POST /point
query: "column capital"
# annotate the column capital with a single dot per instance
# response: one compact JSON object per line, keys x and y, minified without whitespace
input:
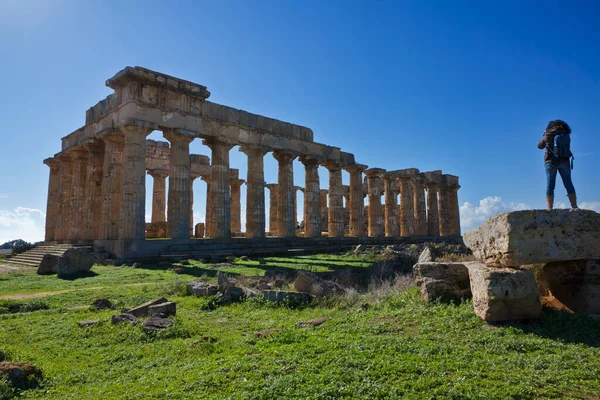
{"x":158,"y":173}
{"x":300,"y":188}
{"x":309,"y":161}
{"x":355,"y":168}
{"x":236,"y":182}
{"x":178,"y":135}
{"x":213,"y":142}
{"x":432,"y":185}
{"x":324,"y":191}
{"x":205,"y":178}
{"x":115,"y":136}
{"x":52,"y":162}
{"x":284,"y":156}
{"x":254,"y":149}
{"x":272,"y":186}
{"x":139,"y":127}
{"x":332,"y":166}
{"x":374,"y":172}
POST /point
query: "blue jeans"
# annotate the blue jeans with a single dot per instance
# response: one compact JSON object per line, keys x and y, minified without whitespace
{"x":564,"y":169}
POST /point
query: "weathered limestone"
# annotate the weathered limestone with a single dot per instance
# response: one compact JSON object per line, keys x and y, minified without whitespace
{"x":111,"y":185}
{"x":375,"y":212}
{"x":178,"y":211}
{"x":433,"y":222}
{"x":273,"y":201}
{"x":443,"y":206}
{"x":504,"y":294}
{"x":357,"y":221}
{"x":236,"y":207}
{"x":78,"y":185}
{"x":445,"y":281}
{"x":420,"y":209}
{"x":407,"y":222}
{"x":453,"y":206}
{"x":220,"y":202}
{"x":93,"y":197}
{"x":255,"y":191}
{"x":312,"y":197}
{"x":536,"y":236}
{"x":286,"y":226}
{"x":336,"y":207}
{"x":159,"y":195}
{"x":133,"y":188}
{"x":391,"y":206}
{"x":53,"y":204}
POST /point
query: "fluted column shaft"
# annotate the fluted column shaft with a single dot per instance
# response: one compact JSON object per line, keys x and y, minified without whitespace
{"x":111,"y":185}
{"x":220,"y":194}
{"x":236,"y":206}
{"x":312,"y":197}
{"x":93,"y":197}
{"x":356,"y":203}
{"x":78,"y":185}
{"x":443,"y":211}
{"x":133,"y":189}
{"x":178,"y":209}
{"x":335,"y":217}
{"x":419,"y":208}
{"x":407,"y":217}
{"x":255,"y":192}
{"x":66,"y":177}
{"x":375,"y":226}
{"x":391,"y":206}
{"x":273,"y":200}
{"x":159,"y":195}
{"x":433,"y":221}
{"x":53,"y":202}
{"x":285,"y":201}
{"x":454,"y":209}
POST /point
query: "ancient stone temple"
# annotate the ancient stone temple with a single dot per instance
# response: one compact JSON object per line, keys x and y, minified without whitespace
{"x":97,"y":185}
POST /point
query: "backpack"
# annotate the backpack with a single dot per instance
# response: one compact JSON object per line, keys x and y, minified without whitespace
{"x":561,"y":146}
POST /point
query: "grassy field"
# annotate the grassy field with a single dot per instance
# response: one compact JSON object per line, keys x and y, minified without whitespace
{"x":381,"y":344}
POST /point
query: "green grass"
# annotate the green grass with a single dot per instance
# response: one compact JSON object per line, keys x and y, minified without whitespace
{"x":379,"y":347}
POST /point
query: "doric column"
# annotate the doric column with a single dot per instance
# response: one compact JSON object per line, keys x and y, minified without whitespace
{"x":433,"y":221}
{"x":52,"y":205}
{"x":356,"y":201}
{"x":111,"y":185}
{"x":133,"y":191}
{"x":93,"y":198}
{"x":273,"y":196}
{"x":178,"y":209}
{"x":391,"y":206}
{"x":236,"y":206}
{"x":159,"y":195}
{"x":375,"y":214}
{"x":407,"y":217}
{"x":64,"y":194}
{"x":335,"y":217}
{"x":193,"y":177}
{"x":454,"y":210}
{"x":220,"y":200}
{"x":312,"y":197}
{"x":419,"y":206}
{"x":255,"y":191}
{"x":207,"y":213}
{"x":286,"y":226}
{"x":78,"y":185}
{"x":443,"y":207}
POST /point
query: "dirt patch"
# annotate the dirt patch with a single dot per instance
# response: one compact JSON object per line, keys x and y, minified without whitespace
{"x":8,"y":268}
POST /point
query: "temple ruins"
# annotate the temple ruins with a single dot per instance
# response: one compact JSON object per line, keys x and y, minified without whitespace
{"x":97,"y":186}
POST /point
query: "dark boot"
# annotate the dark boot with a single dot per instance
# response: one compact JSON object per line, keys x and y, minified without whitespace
{"x":573,"y":199}
{"x":550,"y":201}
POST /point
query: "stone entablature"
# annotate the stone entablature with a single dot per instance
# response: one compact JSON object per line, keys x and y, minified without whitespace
{"x":102,"y":166}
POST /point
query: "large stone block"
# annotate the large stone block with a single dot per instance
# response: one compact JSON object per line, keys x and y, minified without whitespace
{"x":504,"y":294}
{"x":74,"y":261}
{"x":446,"y":281}
{"x":536,"y":236}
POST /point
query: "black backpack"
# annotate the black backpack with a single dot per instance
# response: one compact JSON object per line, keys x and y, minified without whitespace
{"x":561,"y":147}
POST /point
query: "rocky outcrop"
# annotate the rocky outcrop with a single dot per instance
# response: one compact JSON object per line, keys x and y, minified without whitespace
{"x":536,"y":236}
{"x":445,"y":281}
{"x":504,"y":294}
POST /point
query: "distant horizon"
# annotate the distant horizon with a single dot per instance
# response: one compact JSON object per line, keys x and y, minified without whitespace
{"x":465,"y":87}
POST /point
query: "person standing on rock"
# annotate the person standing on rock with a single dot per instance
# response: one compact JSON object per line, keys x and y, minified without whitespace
{"x":557,"y":142}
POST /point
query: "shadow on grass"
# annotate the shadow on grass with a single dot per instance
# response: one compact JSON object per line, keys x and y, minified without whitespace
{"x":79,"y":275}
{"x":564,"y":327}
{"x":191,"y":270}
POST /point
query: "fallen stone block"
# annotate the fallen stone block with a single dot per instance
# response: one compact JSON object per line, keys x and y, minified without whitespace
{"x":504,"y":294}
{"x":19,"y":371}
{"x":74,"y":261}
{"x":201,"y":289}
{"x":48,"y":265}
{"x":310,"y":283}
{"x":426,"y":256}
{"x":142,"y":310}
{"x":445,"y":281}
{"x":125,"y":317}
{"x":536,"y":236}
{"x":277,"y":296}
{"x":101,"y":304}
{"x":157,"y":324}
{"x":232,"y":294}
{"x":576,"y":284}
{"x":169,"y":308}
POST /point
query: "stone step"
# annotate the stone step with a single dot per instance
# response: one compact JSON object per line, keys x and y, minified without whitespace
{"x":20,"y":264}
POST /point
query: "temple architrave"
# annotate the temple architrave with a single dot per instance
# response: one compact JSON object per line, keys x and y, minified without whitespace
{"x":97,"y":187}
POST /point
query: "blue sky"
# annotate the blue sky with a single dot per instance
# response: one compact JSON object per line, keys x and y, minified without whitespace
{"x":462,"y":86}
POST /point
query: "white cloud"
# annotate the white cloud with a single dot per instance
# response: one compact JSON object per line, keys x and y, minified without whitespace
{"x":22,"y":223}
{"x":472,"y":216}
{"x":590,"y":205}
